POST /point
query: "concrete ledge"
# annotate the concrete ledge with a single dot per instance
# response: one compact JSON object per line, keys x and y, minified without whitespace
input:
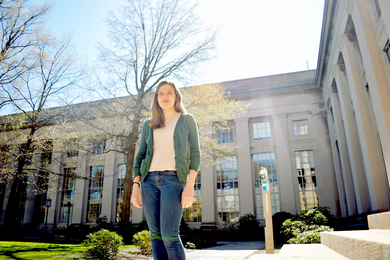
{"x":379,"y":221}
{"x":302,"y":252}
{"x":365,"y":244}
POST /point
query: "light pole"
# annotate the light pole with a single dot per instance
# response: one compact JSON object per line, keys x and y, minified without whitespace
{"x":69,"y":204}
{"x":47,"y":205}
{"x":269,"y":235}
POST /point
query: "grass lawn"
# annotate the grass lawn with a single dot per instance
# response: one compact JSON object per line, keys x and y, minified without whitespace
{"x":29,"y":250}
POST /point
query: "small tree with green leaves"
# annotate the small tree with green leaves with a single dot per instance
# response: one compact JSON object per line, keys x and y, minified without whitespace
{"x":103,"y":244}
{"x":143,"y":241}
{"x":305,"y":226}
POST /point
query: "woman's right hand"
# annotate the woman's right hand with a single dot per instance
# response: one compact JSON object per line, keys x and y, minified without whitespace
{"x":136,"y":197}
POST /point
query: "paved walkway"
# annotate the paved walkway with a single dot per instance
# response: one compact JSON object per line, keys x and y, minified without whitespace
{"x":228,"y":250}
{"x":256,"y":251}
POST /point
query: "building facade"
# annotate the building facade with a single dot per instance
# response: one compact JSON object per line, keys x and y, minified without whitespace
{"x":323,"y":137}
{"x":353,"y":72}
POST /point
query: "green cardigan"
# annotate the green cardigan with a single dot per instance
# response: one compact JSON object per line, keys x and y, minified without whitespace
{"x":186,"y":145}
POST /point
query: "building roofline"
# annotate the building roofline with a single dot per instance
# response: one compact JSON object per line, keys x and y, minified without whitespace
{"x":326,"y":37}
{"x":260,"y":77}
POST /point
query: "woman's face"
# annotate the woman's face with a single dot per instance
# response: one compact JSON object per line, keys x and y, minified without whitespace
{"x":166,"y":97}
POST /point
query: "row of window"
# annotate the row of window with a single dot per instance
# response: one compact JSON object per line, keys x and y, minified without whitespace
{"x":261,"y":131}
{"x":95,"y":194}
{"x":97,"y":147}
{"x":227,"y":186}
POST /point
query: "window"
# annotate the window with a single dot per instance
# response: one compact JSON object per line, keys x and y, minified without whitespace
{"x":43,"y":182}
{"x":95,"y":193}
{"x":194,"y":214}
{"x":68,"y":195}
{"x":40,"y":197}
{"x":5,"y":168}
{"x":98,"y":146}
{"x":225,"y":135}
{"x":331,"y":112}
{"x":387,"y":50}
{"x":5,"y":159}
{"x":227,"y":189}
{"x":71,"y":147}
{"x":300,"y":127}
{"x":119,"y":191}
{"x":266,"y":161}
{"x":124,"y":143}
{"x":46,"y":152}
{"x":3,"y":186}
{"x":307,"y":180}
{"x":378,"y":8}
{"x":261,"y":131}
{"x":73,"y":153}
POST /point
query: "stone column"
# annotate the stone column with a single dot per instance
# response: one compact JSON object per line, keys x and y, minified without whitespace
{"x":81,"y":189}
{"x":333,"y":135}
{"x":289,"y":200}
{"x":376,"y":76}
{"x":30,"y":196}
{"x":244,"y":165}
{"x":385,"y":7}
{"x":109,"y":193}
{"x":373,"y":163}
{"x":345,"y":180}
{"x":208,"y":193}
{"x":55,"y":185}
{"x":352,"y":139}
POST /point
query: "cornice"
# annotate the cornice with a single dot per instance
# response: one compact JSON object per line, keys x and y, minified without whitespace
{"x":280,"y":93}
{"x":328,"y":24}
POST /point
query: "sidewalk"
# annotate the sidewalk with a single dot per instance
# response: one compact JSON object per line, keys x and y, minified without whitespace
{"x":228,"y":250}
{"x":256,"y":251}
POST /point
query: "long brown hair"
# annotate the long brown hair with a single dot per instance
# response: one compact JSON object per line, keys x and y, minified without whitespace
{"x":156,"y":113}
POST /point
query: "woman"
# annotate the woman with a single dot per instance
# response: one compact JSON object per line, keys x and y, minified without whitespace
{"x":167,"y":162}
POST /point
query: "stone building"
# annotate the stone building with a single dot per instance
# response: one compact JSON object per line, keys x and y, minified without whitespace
{"x":322,"y":135}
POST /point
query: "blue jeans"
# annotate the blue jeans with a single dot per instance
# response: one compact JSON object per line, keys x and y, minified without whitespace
{"x":161,"y":199}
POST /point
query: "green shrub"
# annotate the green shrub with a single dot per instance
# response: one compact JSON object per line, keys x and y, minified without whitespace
{"x":277,"y":222}
{"x":143,"y":241}
{"x":185,"y":230}
{"x":291,"y":228}
{"x":310,"y":236}
{"x":190,"y":245}
{"x":249,"y":227}
{"x":103,"y":244}
{"x":314,"y":216}
{"x":305,"y":226}
{"x":200,"y":238}
{"x":143,"y":225}
{"x":103,"y":224}
{"x":248,"y":222}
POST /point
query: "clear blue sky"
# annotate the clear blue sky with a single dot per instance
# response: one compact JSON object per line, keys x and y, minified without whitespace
{"x":258,"y":37}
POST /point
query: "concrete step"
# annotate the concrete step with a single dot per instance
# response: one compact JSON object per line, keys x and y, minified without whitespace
{"x":301,"y":252}
{"x":379,"y":220}
{"x":365,"y":244}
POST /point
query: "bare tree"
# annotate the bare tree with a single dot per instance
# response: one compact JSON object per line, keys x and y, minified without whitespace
{"x":18,"y":22}
{"x":150,"y":41}
{"x":55,"y":73}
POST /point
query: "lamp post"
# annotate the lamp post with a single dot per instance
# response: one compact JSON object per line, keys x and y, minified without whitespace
{"x":47,"y":205}
{"x":69,"y":204}
{"x":269,"y":235}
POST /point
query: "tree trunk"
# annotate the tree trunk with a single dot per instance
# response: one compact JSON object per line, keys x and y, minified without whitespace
{"x":13,"y":214}
{"x":127,"y":185}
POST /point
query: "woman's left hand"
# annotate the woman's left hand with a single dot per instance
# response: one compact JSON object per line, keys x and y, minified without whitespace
{"x":187,"y":197}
